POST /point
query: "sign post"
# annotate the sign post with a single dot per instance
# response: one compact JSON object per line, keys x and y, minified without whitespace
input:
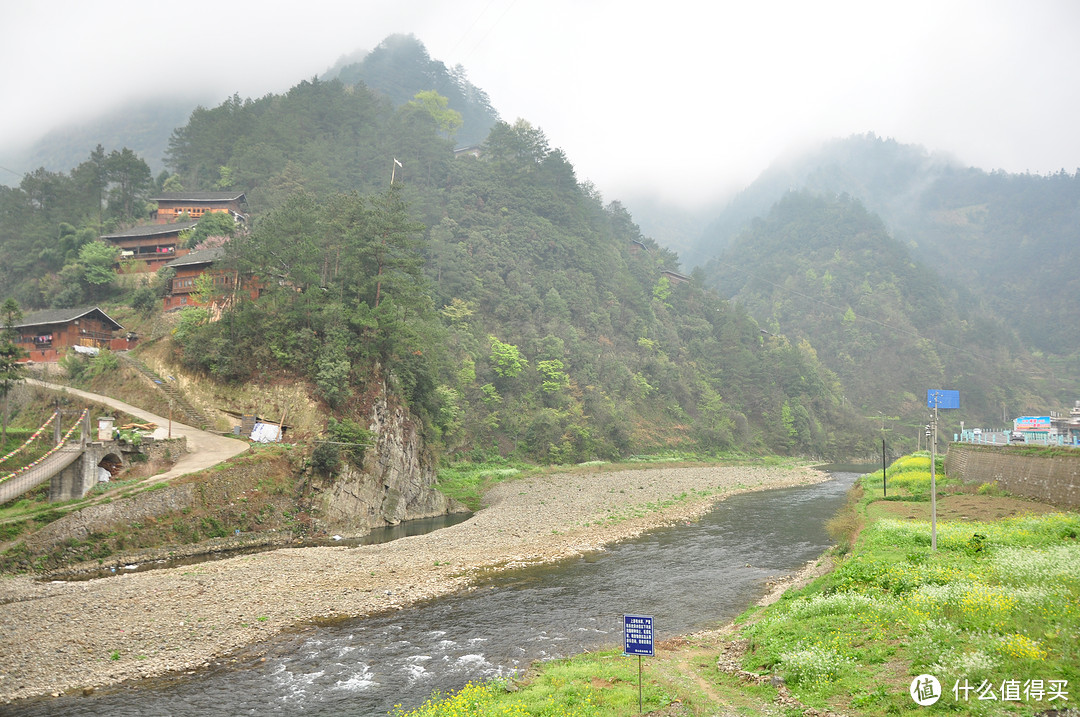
{"x":936,"y":398}
{"x":884,"y":488}
{"x":638,"y":640}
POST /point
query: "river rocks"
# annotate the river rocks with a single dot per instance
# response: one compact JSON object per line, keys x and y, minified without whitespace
{"x":67,"y":636}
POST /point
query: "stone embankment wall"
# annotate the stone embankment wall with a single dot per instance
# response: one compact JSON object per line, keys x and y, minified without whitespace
{"x":103,"y":517}
{"x":1052,"y":478}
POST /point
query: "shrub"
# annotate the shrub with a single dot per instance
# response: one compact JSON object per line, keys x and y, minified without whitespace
{"x":812,"y":664}
{"x":326,"y":458}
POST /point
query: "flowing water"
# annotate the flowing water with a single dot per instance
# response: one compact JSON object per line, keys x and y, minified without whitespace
{"x":687,"y":577}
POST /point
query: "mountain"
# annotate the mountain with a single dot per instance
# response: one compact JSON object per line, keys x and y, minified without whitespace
{"x":514,"y":311}
{"x":142,"y":126}
{"x":508,"y":307}
{"x":400,"y":67}
{"x":826,"y":271}
{"x":542,"y":323}
{"x":1009,"y":240}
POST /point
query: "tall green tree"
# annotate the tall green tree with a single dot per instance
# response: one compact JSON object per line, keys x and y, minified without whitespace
{"x":92,"y":177}
{"x":430,"y":101}
{"x":97,"y":260}
{"x":11,"y":371}
{"x":131,"y":182}
{"x":390,"y":255}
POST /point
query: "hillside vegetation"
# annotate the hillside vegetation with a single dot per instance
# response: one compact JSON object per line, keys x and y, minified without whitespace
{"x":1005,"y":240}
{"x":512,"y":308}
{"x":828,"y":272}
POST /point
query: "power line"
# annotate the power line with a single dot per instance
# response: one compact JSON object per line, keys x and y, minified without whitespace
{"x":471,"y":26}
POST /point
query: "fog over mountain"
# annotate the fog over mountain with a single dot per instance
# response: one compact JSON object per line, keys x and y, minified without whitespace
{"x":682,"y":102}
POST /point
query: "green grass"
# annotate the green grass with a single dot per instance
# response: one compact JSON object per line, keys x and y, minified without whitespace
{"x":597,"y":683}
{"x":998,"y":601}
{"x":466,"y":482}
{"x":907,"y":479}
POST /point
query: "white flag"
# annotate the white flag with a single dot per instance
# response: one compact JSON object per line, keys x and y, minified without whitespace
{"x":397,"y":163}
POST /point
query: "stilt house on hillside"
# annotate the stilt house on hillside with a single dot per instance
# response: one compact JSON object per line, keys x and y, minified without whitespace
{"x":46,"y":335}
{"x":176,"y":206}
{"x":150,"y":246}
{"x":188,"y":270}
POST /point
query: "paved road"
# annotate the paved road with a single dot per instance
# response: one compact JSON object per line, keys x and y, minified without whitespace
{"x":204,"y":449}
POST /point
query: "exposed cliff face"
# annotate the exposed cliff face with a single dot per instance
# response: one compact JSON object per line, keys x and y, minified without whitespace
{"x":395,"y":483}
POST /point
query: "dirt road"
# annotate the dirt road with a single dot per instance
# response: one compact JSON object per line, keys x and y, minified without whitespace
{"x":204,"y":449}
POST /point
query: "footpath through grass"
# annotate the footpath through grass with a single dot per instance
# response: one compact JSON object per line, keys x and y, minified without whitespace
{"x":993,"y":615}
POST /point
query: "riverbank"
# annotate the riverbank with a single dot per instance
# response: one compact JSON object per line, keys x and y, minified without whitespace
{"x":990,"y":615}
{"x":62,"y":637}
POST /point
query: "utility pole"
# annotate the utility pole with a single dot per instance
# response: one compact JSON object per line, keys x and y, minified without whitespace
{"x":931,"y":435}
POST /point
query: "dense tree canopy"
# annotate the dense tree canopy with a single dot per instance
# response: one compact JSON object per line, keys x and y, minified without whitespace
{"x":506,"y":302}
{"x":829,"y":272}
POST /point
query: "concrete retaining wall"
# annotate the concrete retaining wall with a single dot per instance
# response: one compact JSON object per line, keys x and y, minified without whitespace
{"x":1053,"y":479}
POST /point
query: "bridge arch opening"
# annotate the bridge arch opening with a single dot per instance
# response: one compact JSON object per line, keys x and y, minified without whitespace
{"x":109,"y":466}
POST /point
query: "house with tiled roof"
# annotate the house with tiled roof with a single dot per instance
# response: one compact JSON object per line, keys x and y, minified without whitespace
{"x":188,"y":269}
{"x":174,"y":206}
{"x":46,"y":335}
{"x":226,"y":284}
{"x":150,"y":246}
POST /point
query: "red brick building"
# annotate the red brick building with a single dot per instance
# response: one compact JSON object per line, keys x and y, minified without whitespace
{"x":173,"y":206}
{"x":45,"y":335}
{"x":150,"y":246}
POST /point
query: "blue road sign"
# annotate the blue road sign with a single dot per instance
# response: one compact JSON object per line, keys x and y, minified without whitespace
{"x":941,"y":398}
{"x":638,"y":635}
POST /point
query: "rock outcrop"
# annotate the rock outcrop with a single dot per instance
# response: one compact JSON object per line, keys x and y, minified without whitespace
{"x":395,"y":483}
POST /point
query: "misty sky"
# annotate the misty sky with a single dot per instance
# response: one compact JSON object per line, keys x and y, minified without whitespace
{"x":687,"y":100}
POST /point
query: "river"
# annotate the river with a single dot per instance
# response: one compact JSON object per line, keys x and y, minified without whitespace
{"x":687,"y":577}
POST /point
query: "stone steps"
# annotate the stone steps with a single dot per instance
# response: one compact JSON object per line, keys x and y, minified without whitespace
{"x":187,"y":413}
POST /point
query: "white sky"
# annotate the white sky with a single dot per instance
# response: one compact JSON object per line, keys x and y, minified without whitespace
{"x":686,"y":100}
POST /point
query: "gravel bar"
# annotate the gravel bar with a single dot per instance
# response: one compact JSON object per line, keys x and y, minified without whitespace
{"x":63,"y":637}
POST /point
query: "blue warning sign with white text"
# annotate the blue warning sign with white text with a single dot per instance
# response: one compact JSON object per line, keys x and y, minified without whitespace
{"x":638,"y":635}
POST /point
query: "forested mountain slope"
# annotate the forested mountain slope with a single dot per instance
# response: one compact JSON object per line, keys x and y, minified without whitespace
{"x":143,"y":126}
{"x":828,"y":271}
{"x":520,"y":314}
{"x":503,"y":300}
{"x":1011,"y":240}
{"x":400,"y":67}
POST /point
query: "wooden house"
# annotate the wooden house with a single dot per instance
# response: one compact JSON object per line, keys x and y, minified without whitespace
{"x":674,"y":277}
{"x":175,"y":206}
{"x":150,"y":246}
{"x":188,"y":270}
{"x":46,"y":335}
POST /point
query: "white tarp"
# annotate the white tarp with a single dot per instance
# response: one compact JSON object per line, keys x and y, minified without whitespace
{"x":88,"y":350}
{"x":265,"y":433}
{"x":103,"y":475}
